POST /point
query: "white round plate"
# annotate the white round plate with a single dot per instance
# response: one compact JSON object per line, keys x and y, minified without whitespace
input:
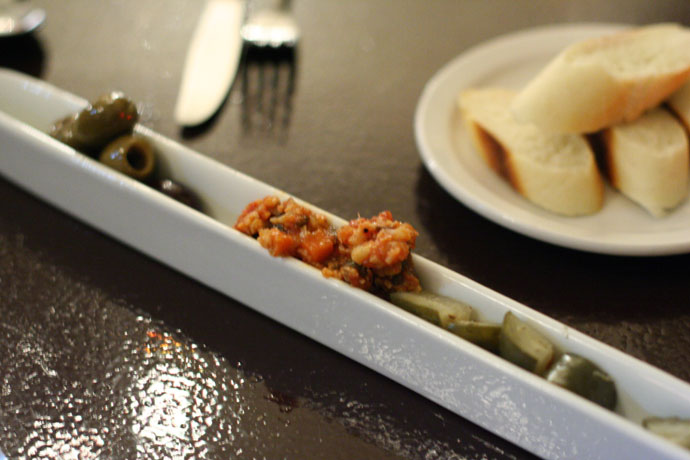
{"x":621,"y":227}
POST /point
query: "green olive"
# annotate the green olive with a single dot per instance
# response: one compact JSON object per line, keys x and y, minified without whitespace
{"x":131,"y":155}
{"x":109,"y":116}
{"x":62,"y":131}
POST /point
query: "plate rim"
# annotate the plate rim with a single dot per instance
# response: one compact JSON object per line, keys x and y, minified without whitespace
{"x":519,"y":219}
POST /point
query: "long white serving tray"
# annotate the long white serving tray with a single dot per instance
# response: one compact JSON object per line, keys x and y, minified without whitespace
{"x":506,"y":400}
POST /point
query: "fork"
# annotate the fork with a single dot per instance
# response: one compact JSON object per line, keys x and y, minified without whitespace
{"x":272,"y":27}
{"x":268,"y":77}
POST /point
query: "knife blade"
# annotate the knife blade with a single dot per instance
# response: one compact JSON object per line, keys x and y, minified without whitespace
{"x":211,"y":63}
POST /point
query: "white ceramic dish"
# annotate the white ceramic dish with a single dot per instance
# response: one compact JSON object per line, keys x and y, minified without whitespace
{"x":519,"y":406}
{"x":621,"y":227}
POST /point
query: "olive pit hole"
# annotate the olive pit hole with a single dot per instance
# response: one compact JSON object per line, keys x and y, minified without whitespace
{"x":136,"y":158}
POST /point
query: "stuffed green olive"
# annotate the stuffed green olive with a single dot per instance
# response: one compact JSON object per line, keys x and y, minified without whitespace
{"x":109,"y":116}
{"x":131,"y":155}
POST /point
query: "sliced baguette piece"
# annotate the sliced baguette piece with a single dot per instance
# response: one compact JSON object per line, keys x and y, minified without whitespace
{"x":679,"y":104}
{"x":607,"y":80}
{"x":647,"y":160}
{"x":555,"y":171}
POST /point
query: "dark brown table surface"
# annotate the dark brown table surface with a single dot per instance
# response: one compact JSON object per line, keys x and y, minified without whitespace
{"x":106,"y":353}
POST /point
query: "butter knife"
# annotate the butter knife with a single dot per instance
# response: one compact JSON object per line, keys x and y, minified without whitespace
{"x":211,"y":63}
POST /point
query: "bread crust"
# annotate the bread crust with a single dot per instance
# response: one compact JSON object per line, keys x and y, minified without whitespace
{"x":496,"y":156}
{"x":602,"y":146}
{"x":651,"y":171}
{"x":679,"y":105}
{"x":568,"y":183}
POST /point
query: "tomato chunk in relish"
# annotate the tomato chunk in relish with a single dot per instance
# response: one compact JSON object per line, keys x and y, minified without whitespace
{"x":371,"y":254}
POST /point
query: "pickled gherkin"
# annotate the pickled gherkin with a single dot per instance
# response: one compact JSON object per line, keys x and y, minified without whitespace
{"x":524,"y":346}
{"x":486,"y":335}
{"x":439,"y":310}
{"x":674,"y":429}
{"x":585,"y":378}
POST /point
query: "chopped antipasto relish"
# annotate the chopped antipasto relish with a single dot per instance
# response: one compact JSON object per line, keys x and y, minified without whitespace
{"x":371,"y":254}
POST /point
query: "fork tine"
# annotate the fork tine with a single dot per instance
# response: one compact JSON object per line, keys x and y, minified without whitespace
{"x":260,"y":92}
{"x":246,"y":91}
{"x":268,"y":84}
{"x":274,"y":92}
{"x":252,"y":86}
{"x":268,"y":76}
{"x":289,"y":88}
{"x":283,"y":86}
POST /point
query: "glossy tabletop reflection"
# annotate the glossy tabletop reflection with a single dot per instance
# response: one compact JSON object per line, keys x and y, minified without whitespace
{"x":105,"y":353}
